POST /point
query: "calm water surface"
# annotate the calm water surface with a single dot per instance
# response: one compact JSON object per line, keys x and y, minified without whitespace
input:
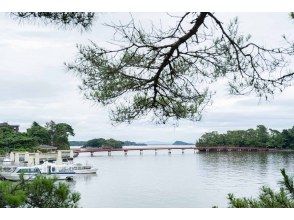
{"x":176,"y":180}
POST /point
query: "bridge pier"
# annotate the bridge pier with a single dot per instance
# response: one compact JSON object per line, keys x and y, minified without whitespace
{"x":126,"y":153}
{"x":182,"y":151}
{"x":109,"y":153}
{"x":141,"y":152}
{"x":169,"y":151}
{"x":155,"y":151}
{"x":92,"y":154}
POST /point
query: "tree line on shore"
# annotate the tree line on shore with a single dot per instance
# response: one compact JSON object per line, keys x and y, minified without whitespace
{"x":259,"y":137}
{"x":54,"y":134}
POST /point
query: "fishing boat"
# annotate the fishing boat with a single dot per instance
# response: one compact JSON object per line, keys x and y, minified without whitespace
{"x":83,"y":169}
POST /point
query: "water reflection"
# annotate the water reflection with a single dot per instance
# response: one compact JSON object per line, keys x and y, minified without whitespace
{"x":178,"y":180}
{"x":84,"y":177}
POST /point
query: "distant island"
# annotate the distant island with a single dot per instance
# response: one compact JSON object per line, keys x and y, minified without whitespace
{"x":101,"y":142}
{"x":181,"y":143}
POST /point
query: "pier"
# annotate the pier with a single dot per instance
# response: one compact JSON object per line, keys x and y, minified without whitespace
{"x":126,"y":150}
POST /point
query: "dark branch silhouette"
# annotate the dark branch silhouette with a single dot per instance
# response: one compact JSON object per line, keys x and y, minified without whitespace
{"x":172,"y":73}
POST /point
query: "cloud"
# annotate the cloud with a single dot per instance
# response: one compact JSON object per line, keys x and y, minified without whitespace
{"x":35,"y":86}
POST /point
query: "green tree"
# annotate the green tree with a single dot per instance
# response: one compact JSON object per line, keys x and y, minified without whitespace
{"x":259,"y":137}
{"x":268,"y":198}
{"x":276,"y":139}
{"x":101,"y":142}
{"x":39,"y":133}
{"x":11,"y":140}
{"x":83,"y":20}
{"x":11,"y":195}
{"x":59,"y":134}
{"x":262,"y":136}
{"x":47,"y":193}
{"x":171,"y":73}
{"x":114,"y":143}
{"x":40,"y":192}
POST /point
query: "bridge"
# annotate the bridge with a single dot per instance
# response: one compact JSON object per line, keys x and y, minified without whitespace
{"x":126,"y":150}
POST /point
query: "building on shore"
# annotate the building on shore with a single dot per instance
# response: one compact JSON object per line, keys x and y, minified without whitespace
{"x":29,"y":159}
{"x":14,"y":127}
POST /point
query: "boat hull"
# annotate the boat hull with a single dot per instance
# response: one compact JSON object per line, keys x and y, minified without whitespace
{"x":86,"y":171}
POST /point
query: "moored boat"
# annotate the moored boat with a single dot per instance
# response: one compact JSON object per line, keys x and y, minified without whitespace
{"x":59,"y":171}
{"x":83,"y":169}
{"x":13,"y":172}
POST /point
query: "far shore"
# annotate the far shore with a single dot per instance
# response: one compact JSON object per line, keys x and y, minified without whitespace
{"x":234,"y":148}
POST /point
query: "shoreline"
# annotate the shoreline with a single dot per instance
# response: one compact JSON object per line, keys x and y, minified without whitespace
{"x":241,"y":149}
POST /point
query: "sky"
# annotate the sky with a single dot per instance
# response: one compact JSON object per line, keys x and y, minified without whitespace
{"x":35,"y":85}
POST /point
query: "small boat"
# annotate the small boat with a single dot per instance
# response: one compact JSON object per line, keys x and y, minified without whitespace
{"x":83,"y":169}
{"x":59,"y":171}
{"x":13,"y":173}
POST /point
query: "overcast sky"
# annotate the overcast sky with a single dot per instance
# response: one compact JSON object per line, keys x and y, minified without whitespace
{"x":35,"y":86}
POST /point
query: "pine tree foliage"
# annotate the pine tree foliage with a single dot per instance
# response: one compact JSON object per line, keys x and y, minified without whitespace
{"x":172,"y":73}
{"x":268,"y":198}
{"x":40,"y":192}
{"x":82,"y":20}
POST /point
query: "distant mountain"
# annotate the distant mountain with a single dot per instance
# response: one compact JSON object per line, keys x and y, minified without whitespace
{"x":77,"y":143}
{"x":181,"y":143}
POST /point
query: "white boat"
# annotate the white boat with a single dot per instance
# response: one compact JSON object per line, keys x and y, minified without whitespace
{"x":83,"y":169}
{"x":13,"y":173}
{"x":59,"y":171}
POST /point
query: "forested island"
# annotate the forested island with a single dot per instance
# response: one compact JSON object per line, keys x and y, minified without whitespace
{"x":52,"y":134}
{"x":259,"y":137}
{"x":101,"y":142}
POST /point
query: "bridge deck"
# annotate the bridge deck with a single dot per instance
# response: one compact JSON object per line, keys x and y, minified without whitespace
{"x":92,"y":150}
